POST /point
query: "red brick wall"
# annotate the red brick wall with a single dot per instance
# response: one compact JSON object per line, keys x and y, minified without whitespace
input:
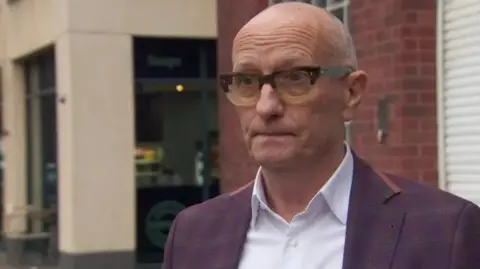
{"x":395,"y":41}
{"x":236,"y":168}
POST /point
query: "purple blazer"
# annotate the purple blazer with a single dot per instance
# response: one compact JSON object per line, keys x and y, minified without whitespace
{"x":393,"y":223}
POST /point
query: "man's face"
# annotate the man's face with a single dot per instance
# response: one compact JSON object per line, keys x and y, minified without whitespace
{"x":276,"y":132}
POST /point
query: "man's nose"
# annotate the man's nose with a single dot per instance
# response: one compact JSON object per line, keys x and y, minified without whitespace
{"x":269,"y":105}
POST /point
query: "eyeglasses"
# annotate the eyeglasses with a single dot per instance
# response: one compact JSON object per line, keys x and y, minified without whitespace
{"x":293,"y":86}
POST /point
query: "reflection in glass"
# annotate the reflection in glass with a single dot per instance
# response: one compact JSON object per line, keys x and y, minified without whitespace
{"x":169,"y":138}
{"x":170,"y":161}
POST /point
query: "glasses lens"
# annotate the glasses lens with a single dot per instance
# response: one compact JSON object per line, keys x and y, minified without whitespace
{"x":294,"y":82}
{"x":244,"y":90}
{"x":295,"y":86}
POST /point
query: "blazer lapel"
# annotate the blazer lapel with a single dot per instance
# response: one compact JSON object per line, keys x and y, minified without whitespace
{"x":225,"y":248}
{"x":373,"y":225}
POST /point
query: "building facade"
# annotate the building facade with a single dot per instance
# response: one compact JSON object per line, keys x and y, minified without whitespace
{"x":76,"y":83}
{"x":69,"y":89}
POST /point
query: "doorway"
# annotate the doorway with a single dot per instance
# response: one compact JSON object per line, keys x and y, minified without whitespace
{"x":172,"y":172}
{"x":176,"y":129}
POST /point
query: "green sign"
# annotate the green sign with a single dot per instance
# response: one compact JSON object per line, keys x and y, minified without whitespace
{"x":159,"y":220}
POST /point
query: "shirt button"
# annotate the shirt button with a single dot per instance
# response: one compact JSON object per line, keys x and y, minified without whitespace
{"x":292,"y":243}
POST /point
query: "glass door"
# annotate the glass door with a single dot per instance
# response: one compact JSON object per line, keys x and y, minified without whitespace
{"x":176,"y":138}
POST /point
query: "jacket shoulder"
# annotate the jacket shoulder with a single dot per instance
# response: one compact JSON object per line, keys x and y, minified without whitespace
{"x":419,"y":197}
{"x":213,"y":207}
{"x":210,"y":206}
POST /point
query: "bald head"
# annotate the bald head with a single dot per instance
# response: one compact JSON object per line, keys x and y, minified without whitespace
{"x":327,"y":35}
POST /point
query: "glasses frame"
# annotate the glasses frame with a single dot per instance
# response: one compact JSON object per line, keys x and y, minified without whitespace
{"x":315,"y":72}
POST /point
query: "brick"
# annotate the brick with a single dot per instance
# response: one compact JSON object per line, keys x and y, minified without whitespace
{"x":410,"y":44}
{"x":416,"y":83}
{"x":411,"y":17}
{"x":411,"y":97}
{"x":417,"y":5}
{"x":428,"y":70}
{"x":383,"y":36}
{"x":411,"y":124}
{"x":428,"y":124}
{"x":417,"y":163}
{"x":430,"y":177}
{"x":428,"y":150}
{"x":363,"y":127}
{"x":427,"y":43}
{"x":356,"y":5}
{"x":406,"y":73}
{"x":366,"y":113}
{"x":423,"y":31}
{"x":369,"y":139}
{"x":370,"y":101}
{"x":428,"y":97}
{"x":392,"y":20}
{"x":418,"y":137}
{"x":386,"y":164}
{"x":404,"y":151}
{"x":413,"y":111}
{"x":404,"y":31}
{"x":387,"y":47}
{"x":428,"y":57}
{"x":407,"y":57}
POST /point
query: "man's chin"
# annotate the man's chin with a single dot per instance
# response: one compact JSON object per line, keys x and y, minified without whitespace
{"x":272,"y":160}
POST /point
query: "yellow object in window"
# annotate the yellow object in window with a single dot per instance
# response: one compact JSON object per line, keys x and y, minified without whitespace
{"x":149,"y":155}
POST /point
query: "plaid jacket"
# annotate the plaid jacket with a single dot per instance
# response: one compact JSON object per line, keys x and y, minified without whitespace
{"x":393,"y":223}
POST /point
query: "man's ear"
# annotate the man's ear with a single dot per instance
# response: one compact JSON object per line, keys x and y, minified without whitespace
{"x":357,"y":83}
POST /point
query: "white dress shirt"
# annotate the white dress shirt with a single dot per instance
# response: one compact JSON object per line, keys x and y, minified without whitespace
{"x":314,"y":239}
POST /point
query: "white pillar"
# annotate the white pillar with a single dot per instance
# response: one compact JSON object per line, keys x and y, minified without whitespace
{"x":96,"y":150}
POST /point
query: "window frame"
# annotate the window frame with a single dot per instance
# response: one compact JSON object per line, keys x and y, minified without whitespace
{"x":39,"y":77}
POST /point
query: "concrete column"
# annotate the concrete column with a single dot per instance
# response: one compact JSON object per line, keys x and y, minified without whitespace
{"x":96,"y":151}
{"x":15,"y":180}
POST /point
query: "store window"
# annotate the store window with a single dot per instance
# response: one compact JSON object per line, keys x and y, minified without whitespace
{"x":175,"y":106}
{"x":41,"y":127}
{"x":169,"y":137}
{"x":176,"y":131}
{"x":339,"y":8}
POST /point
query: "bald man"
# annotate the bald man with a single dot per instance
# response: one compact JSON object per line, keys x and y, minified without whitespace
{"x":314,"y":204}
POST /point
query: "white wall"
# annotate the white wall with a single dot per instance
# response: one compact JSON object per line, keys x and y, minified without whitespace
{"x":31,"y":24}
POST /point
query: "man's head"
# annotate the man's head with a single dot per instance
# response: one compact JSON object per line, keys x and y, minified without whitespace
{"x":294,"y":83}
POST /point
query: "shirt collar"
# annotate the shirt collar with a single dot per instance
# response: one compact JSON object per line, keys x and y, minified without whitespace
{"x":336,"y":191}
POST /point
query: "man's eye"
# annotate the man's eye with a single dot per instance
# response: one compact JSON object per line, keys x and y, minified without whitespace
{"x":244,"y":80}
{"x":295,"y":76}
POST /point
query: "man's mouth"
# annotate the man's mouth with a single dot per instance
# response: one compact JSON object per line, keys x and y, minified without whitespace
{"x":277,"y":134}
